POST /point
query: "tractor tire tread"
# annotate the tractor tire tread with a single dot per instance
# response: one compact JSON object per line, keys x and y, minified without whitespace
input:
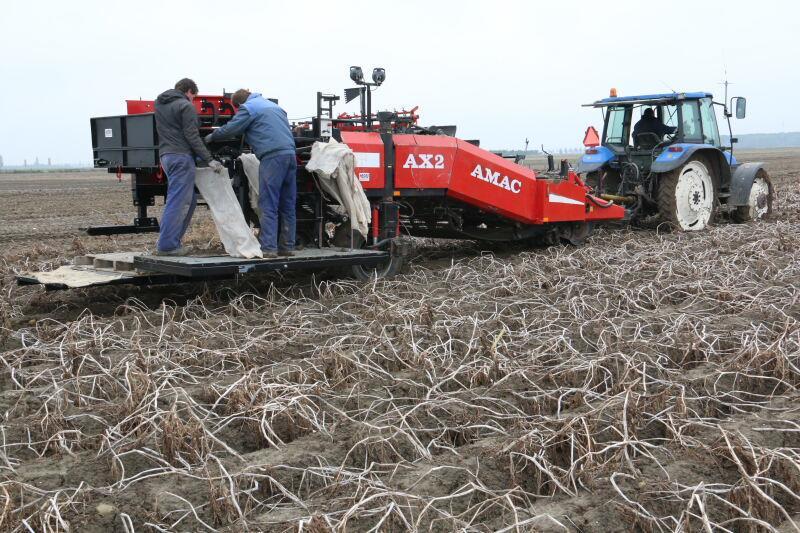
{"x":667,"y":201}
{"x":741,"y":214}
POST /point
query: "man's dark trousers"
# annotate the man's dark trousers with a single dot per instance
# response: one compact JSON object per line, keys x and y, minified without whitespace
{"x":277,"y":199}
{"x":181,"y":200}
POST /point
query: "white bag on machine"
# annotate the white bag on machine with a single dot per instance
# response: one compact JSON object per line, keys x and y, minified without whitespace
{"x":334,"y":164}
{"x":233,"y":229}
{"x":250,"y":164}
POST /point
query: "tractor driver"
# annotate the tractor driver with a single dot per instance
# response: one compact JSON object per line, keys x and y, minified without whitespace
{"x":649,"y":123}
{"x":267,"y":132}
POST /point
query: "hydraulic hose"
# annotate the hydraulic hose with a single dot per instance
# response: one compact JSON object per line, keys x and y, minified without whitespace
{"x":618,"y":199}
{"x":598,"y":202}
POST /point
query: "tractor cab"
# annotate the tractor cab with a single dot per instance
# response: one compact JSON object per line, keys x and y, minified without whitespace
{"x":640,"y":129}
{"x":662,"y":154}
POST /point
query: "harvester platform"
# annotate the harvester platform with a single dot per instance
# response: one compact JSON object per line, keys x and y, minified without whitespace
{"x":309,"y":258}
{"x":139,"y":268}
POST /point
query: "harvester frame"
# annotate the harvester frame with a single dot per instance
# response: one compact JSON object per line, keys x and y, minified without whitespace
{"x":420,"y":181}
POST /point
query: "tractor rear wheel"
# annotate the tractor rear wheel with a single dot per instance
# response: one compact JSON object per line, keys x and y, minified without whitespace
{"x":687,"y":197}
{"x":759,"y":203}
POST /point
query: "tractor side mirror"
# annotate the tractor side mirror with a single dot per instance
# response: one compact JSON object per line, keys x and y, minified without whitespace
{"x":740,"y":103}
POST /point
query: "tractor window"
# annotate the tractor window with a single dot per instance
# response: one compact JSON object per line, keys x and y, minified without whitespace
{"x":615,"y":126}
{"x":669,"y":115}
{"x":710,"y":130}
{"x":690,"y":122}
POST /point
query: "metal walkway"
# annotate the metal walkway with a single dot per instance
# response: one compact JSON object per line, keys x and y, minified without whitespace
{"x":309,"y":258}
{"x":144,"y":269}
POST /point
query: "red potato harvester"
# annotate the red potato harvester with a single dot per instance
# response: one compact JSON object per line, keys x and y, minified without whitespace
{"x":420,"y":181}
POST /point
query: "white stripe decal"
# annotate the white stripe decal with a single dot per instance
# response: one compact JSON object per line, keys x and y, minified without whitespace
{"x":368,"y":159}
{"x":558,"y":199}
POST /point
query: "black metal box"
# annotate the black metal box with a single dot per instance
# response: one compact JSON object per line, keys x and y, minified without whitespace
{"x":125,"y":141}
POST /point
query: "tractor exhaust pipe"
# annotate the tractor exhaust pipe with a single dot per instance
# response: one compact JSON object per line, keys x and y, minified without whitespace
{"x":564,"y":170}
{"x":551,"y":162}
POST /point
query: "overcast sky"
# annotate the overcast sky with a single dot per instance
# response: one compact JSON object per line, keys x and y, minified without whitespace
{"x":501,"y":70}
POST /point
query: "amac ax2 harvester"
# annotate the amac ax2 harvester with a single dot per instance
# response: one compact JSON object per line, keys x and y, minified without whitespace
{"x":420,"y":181}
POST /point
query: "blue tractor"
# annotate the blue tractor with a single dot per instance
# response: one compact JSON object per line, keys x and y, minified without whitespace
{"x":661,"y":155}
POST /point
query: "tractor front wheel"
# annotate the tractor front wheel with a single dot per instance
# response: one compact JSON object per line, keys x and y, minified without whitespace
{"x":759,"y":203}
{"x":687,"y":197}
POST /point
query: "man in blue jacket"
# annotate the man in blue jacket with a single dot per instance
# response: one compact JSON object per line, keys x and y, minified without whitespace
{"x":267,"y":132}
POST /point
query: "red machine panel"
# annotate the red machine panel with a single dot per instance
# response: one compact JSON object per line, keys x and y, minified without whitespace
{"x":368,"y":149}
{"x":496,"y":185}
{"x":476,"y":177}
{"x":564,"y":201}
{"x":424,"y":161}
{"x":139,"y":107}
{"x":206,"y":105}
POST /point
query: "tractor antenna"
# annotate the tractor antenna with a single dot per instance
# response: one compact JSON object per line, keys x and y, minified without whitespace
{"x":725,"y":83}
{"x":668,"y":86}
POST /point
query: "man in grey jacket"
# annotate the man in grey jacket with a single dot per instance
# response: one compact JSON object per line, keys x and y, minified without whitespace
{"x":179,"y":144}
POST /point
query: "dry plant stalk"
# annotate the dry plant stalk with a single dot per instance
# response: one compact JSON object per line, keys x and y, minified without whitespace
{"x":651,"y":378}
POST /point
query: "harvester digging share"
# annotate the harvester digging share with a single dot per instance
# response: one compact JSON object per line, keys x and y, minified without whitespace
{"x":646,"y":380}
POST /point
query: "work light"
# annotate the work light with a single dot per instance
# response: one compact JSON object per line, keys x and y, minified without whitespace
{"x":356,"y":74}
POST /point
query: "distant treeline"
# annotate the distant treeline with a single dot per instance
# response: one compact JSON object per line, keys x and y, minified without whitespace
{"x":534,"y":153}
{"x":766,"y":140}
{"x":518,"y":152}
{"x":42,"y":170}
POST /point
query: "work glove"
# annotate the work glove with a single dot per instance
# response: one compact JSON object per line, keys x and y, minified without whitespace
{"x":216,"y":166}
{"x":208,"y":138}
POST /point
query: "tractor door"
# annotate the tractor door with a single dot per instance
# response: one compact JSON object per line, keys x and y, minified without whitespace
{"x":709,"y":121}
{"x":690,"y":131}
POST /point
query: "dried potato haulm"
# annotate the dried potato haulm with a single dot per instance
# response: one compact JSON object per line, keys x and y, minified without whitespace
{"x":647,"y":380}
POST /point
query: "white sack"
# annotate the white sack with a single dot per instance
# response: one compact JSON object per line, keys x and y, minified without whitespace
{"x":233,"y":230}
{"x":250,"y":164}
{"x":334,"y":164}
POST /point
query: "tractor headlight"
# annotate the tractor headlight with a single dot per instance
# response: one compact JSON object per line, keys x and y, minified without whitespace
{"x":378,"y":75}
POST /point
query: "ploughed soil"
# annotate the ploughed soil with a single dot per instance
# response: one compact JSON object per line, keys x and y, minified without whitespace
{"x":644,"y":381}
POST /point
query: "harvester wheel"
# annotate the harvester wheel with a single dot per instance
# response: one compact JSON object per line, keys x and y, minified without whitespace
{"x":576,"y":233}
{"x":687,"y":197}
{"x":759,"y":203}
{"x":385,"y":269}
